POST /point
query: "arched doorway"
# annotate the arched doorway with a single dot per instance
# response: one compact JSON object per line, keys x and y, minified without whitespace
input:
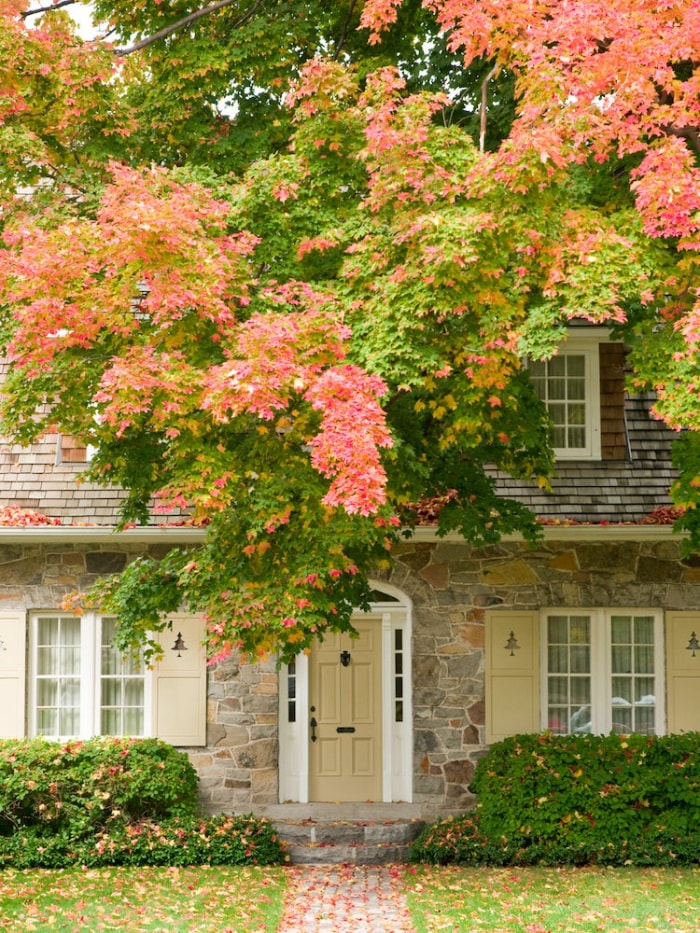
{"x":345,"y":720}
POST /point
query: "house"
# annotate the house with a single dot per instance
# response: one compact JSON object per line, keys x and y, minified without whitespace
{"x":594,"y":629}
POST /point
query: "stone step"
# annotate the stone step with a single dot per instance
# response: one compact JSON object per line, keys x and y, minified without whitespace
{"x":359,"y":842}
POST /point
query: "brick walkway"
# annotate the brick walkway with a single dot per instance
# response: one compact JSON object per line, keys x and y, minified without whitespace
{"x":345,"y":899}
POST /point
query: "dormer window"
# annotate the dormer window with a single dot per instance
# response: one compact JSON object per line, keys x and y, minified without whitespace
{"x":569,"y":386}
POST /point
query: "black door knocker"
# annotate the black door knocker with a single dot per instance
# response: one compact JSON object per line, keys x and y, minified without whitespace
{"x":345,"y":658}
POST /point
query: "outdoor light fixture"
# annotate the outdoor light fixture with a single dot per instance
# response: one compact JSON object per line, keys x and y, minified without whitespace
{"x":345,"y":658}
{"x":179,"y":645}
{"x":693,"y":644}
{"x":512,"y":644}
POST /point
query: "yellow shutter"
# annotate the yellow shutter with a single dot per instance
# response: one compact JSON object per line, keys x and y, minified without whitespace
{"x":180,"y":685}
{"x":682,"y":672}
{"x":13,"y":628}
{"x":512,"y":680}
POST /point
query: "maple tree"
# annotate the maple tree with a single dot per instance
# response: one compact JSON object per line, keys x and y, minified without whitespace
{"x":297,"y":328}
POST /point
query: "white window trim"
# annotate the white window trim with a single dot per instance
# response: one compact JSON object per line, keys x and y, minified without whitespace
{"x":586,"y":342}
{"x":601,"y":673}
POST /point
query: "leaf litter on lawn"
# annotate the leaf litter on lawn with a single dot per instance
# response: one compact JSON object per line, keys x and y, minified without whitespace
{"x":554,"y":900}
{"x":197,"y":899}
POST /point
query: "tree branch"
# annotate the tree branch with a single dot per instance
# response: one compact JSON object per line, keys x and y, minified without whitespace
{"x":344,"y":31}
{"x":689,"y":133}
{"x":47,"y":9}
{"x":484,"y":89}
{"x":186,"y":21}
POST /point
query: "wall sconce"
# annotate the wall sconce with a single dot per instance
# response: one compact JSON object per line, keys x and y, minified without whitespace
{"x":345,"y":658}
{"x":179,"y":645}
{"x":693,"y":644}
{"x":512,"y":644}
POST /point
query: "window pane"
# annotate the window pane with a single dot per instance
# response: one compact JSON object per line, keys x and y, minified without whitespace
{"x":580,"y":659}
{"x":577,"y":415}
{"x":557,"y":365}
{"x":561,"y":384}
{"x":576,"y":438}
{"x":644,"y":659}
{"x":622,"y":691}
{"x":558,"y":690}
{"x":644,"y":691}
{"x":621,"y":659}
{"x":621,"y":630}
{"x":70,"y":631}
{"x":110,"y":722}
{"x":133,"y":691}
{"x":110,"y":661}
{"x":133,"y":722}
{"x":645,"y":720}
{"x":47,"y":722}
{"x":581,"y":691}
{"x":556,"y":389}
{"x":122,"y":688}
{"x":46,"y":692}
{"x":47,"y":661}
{"x":111,"y":692}
{"x":69,"y":721}
{"x":644,"y":630}
{"x":580,"y":630}
{"x":581,"y":720}
{"x":69,"y":660}
{"x":577,"y":390}
{"x":632,"y":653}
{"x":558,"y":630}
{"x":47,"y":631}
{"x":568,"y":674}
{"x":622,"y":720}
{"x":576,"y":364}
{"x":558,"y":659}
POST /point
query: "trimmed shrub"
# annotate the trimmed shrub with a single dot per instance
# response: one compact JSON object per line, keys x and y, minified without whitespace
{"x":82,"y":786}
{"x":115,"y":801}
{"x":222,"y":840}
{"x":579,"y":799}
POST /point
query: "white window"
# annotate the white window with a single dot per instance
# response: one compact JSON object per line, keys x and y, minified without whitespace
{"x":569,"y":386}
{"x":603,"y":671}
{"x":81,"y":686}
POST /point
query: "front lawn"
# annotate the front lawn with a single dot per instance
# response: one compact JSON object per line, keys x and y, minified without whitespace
{"x":552,"y":900}
{"x":200,"y":899}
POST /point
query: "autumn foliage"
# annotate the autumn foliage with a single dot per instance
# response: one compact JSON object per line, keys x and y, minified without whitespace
{"x":296,"y":328}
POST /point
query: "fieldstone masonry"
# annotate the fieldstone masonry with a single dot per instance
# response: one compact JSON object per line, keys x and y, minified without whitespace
{"x":451,"y":585}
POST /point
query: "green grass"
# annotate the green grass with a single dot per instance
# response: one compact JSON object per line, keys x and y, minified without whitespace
{"x":200,"y":899}
{"x":551,"y":900}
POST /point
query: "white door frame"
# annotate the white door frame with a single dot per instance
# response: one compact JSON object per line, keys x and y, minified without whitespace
{"x":394,"y":615}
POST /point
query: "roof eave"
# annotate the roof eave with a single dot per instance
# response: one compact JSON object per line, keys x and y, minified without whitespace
{"x":177,"y":534}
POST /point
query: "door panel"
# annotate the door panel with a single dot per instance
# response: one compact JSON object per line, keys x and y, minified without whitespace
{"x":346,"y":764}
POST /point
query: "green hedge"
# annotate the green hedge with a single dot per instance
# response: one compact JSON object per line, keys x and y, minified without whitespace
{"x":580,"y":799}
{"x":113,"y":801}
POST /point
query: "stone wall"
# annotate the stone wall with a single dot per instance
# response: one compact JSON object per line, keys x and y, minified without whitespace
{"x":451,"y":586}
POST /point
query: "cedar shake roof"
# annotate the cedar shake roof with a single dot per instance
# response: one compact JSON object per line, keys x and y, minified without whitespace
{"x":45,"y":477}
{"x":619,"y":490}
{"x":632,"y":480}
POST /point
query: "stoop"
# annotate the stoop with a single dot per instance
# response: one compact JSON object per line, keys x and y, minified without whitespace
{"x":346,"y":833}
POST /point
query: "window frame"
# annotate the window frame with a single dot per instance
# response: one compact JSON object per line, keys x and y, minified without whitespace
{"x":584,"y":342}
{"x":89,"y":675}
{"x":601,"y":673}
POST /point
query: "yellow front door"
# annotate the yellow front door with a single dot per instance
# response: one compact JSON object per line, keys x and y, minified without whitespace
{"x":345,"y":716}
